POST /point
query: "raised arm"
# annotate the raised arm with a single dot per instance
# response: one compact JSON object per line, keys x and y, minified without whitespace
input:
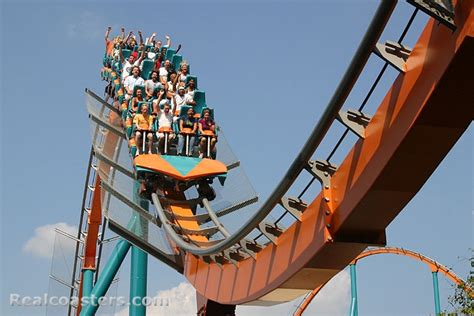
{"x":160,"y":97}
{"x":142,"y":55}
{"x":128,"y":37}
{"x":148,"y":91}
{"x":122,"y":58}
{"x":122,"y":32}
{"x":174,"y":104}
{"x":168,"y":40}
{"x":107,"y":33}
{"x":175,"y":81}
{"x":151,"y":39}
{"x":141,"y":37}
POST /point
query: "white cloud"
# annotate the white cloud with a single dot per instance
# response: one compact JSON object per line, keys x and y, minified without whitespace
{"x":42,"y":243}
{"x":179,"y":301}
{"x":334,"y":299}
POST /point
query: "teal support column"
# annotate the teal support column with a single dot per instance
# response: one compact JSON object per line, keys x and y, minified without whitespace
{"x":353,"y":311}
{"x":138,"y":282}
{"x":87,"y":282}
{"x":106,"y":277}
{"x":436,"y":293}
{"x":139,"y":264}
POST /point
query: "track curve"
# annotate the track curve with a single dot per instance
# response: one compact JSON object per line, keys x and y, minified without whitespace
{"x":333,"y":229}
{"x":432,"y":264}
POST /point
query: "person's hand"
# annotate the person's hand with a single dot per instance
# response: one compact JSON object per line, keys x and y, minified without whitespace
{"x":167,"y":37}
{"x":109,"y":28}
{"x":139,"y":32}
{"x":161,"y":92}
{"x":154,"y":34}
{"x":130,"y":34}
{"x":122,"y":29}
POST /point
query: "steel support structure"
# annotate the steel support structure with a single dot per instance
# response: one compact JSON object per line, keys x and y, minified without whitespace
{"x":436,"y":293}
{"x":106,"y":278}
{"x":139,"y":264}
{"x":354,"y":307}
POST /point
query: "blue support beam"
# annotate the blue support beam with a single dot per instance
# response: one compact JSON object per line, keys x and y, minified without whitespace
{"x":436,"y":293}
{"x":87,"y":282}
{"x":139,"y":264}
{"x":106,"y":278}
{"x":354,"y":307}
{"x":138,"y":282}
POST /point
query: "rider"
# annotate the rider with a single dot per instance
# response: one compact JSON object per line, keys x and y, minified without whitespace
{"x":207,"y":124}
{"x":143,"y":123}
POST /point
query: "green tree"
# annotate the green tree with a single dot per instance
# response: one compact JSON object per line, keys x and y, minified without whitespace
{"x":462,"y":299}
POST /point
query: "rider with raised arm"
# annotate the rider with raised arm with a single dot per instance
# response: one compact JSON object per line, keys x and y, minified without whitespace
{"x":132,"y":61}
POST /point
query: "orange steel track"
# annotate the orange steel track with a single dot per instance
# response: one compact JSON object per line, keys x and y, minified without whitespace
{"x":433,"y":265}
{"x":422,"y":116}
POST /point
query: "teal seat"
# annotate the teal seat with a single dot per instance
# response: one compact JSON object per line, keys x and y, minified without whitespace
{"x":189,"y":77}
{"x":200,"y":98}
{"x":169,"y":53}
{"x":147,"y":68}
{"x":126,"y":53}
{"x":176,"y":61}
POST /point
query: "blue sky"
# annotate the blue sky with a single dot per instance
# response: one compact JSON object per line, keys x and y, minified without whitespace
{"x":262,"y":64}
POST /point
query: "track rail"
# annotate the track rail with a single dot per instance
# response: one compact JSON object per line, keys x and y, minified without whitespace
{"x":432,"y":264}
{"x":356,"y":66}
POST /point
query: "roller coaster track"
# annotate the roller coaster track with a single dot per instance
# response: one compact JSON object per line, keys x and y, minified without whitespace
{"x":432,"y":264}
{"x":409,"y":132}
{"x":398,"y":148}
